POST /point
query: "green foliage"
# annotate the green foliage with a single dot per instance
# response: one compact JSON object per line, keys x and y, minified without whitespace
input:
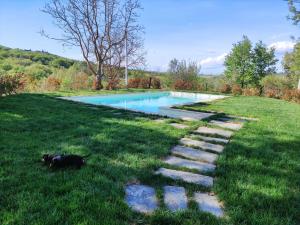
{"x":264,"y":62}
{"x":275,"y":82}
{"x":183,"y":70}
{"x":294,"y":7}
{"x":291,"y":65}
{"x":246,"y":66}
{"x":183,"y":75}
{"x":239,"y":66}
{"x":34,"y":63}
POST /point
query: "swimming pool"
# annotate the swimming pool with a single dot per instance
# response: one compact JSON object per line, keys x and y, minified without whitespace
{"x":148,"y":102}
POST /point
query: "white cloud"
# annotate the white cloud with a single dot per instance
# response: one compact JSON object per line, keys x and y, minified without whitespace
{"x":282,"y":46}
{"x":211,"y":61}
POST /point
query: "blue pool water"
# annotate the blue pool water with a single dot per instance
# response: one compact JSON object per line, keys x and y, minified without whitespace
{"x":149,"y":102}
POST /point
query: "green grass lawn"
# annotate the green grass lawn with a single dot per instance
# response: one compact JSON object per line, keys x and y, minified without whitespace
{"x":257,"y":175}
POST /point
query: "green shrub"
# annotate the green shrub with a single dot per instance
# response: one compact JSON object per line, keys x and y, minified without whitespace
{"x":277,"y":83}
{"x":6,"y":67}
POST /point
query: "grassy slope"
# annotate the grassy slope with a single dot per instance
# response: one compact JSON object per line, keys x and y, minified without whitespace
{"x":258,"y":173}
{"x":259,"y":176}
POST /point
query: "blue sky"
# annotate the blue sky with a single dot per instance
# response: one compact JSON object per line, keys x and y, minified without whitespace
{"x":198,"y":30}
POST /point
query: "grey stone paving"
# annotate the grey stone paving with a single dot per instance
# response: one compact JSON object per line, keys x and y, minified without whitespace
{"x":141,"y":198}
{"x":212,"y":139}
{"x":200,"y":166}
{"x":231,"y":119}
{"x":227,"y":125}
{"x":186,"y":176}
{"x":194,"y":154}
{"x":203,"y":145}
{"x":213,"y":131}
{"x":175,"y":198}
{"x":179,"y":126}
{"x":183,"y":114}
{"x":208,"y":203}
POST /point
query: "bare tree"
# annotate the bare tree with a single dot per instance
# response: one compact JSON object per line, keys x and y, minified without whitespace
{"x":99,"y":28}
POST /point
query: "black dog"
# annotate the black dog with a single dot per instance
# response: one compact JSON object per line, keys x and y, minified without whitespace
{"x":47,"y":158}
{"x":62,"y":161}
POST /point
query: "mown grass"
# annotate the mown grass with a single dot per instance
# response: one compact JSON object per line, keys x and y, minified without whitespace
{"x":257,"y":176}
{"x":259,"y":173}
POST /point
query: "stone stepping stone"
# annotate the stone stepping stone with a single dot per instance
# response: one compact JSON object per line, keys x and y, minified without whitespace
{"x":231,"y":119}
{"x":204,"y":138}
{"x":179,"y":126}
{"x":141,"y":198}
{"x":188,"y":177}
{"x":227,"y":125}
{"x":209,"y":203}
{"x":203,"y":145}
{"x":213,"y":131}
{"x":200,"y":166}
{"x":175,"y":198}
{"x":194,"y":154}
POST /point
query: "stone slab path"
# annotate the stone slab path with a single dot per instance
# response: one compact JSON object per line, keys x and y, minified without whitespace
{"x":198,"y":158}
{"x":179,"y":126}
{"x":209,"y":203}
{"x":214,"y":131}
{"x":189,"y":164}
{"x":194,"y":154}
{"x":184,"y":114}
{"x":226,"y":125}
{"x":212,"y":139}
{"x":175,"y":198}
{"x":188,"y":177}
{"x":141,"y":198}
{"x":201,"y":144}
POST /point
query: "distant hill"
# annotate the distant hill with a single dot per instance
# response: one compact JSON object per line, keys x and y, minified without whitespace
{"x":39,"y":64}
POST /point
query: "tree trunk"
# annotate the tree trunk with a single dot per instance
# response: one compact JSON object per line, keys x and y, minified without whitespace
{"x":98,"y":80}
{"x":299,"y":85}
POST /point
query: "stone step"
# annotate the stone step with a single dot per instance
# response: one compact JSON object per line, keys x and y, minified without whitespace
{"x":212,"y":139}
{"x":188,"y":177}
{"x":213,"y":131}
{"x":194,"y":154}
{"x":183,"y":114}
{"x":227,"y":125}
{"x":231,"y":119}
{"x":201,"y":144}
{"x":200,"y":166}
{"x":141,"y":198}
{"x":179,"y":126}
{"x":209,"y":203}
{"x":175,"y":198}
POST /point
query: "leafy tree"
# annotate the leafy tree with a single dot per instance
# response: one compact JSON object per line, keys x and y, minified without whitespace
{"x":264,"y":62}
{"x":184,"y":70}
{"x":294,"y":7}
{"x":291,"y":64}
{"x":239,"y":66}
